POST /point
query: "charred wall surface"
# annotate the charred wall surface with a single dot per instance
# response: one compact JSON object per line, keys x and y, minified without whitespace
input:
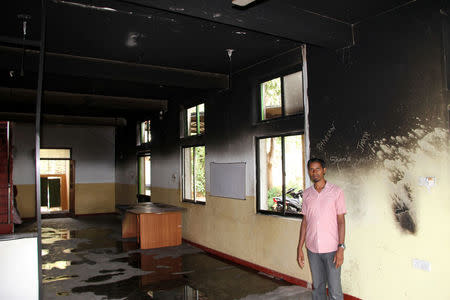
{"x":380,"y":102}
{"x":378,"y":116}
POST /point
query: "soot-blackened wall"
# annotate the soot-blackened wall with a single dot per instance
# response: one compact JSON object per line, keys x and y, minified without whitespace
{"x":378,"y":116}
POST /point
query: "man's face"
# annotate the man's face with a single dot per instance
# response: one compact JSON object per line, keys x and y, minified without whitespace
{"x":316,"y":172}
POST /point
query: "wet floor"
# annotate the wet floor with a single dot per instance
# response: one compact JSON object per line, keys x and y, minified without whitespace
{"x":86,"y":258}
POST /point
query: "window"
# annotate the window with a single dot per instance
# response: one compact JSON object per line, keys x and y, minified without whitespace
{"x":144,"y":169}
{"x":55,"y":153}
{"x":194,"y":120}
{"x":146,"y":136}
{"x":194,"y":188}
{"x":281,"y":174}
{"x":282,"y":96}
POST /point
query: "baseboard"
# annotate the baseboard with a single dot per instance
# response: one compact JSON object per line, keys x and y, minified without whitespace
{"x":265,"y":270}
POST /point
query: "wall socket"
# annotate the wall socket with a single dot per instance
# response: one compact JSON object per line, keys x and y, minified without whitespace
{"x":421,"y":265}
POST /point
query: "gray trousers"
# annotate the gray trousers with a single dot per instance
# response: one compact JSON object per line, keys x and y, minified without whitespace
{"x":323,"y":270}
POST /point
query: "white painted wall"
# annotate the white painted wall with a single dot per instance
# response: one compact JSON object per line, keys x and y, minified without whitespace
{"x":126,"y":170}
{"x":19,"y":276}
{"x":93,"y":149}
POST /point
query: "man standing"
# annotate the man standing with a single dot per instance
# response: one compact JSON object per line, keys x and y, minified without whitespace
{"x":323,"y":229}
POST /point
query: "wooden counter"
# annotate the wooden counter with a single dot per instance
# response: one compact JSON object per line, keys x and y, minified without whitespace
{"x":154,"y":225}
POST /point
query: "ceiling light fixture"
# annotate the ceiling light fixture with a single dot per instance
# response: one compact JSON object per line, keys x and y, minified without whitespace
{"x":230,"y":53}
{"x":24,"y":18}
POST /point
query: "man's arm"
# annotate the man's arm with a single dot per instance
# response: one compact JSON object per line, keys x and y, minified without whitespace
{"x":300,"y":255}
{"x":339,"y":257}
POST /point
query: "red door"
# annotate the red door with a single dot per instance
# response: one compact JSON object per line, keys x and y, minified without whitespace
{"x":6,"y":204}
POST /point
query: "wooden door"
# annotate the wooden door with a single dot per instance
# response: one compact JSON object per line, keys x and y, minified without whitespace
{"x":54,"y":192}
{"x":44,"y":191}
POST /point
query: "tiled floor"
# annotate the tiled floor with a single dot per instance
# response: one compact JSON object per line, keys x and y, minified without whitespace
{"x":86,"y":258}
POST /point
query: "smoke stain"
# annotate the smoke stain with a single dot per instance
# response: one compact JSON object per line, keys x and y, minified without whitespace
{"x":103,"y":277}
{"x":396,"y":175}
{"x":403,"y":214}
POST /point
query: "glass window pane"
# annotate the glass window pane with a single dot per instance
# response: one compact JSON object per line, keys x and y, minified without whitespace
{"x":200,"y":173}
{"x":146,"y":136}
{"x":271,"y":99}
{"x":270,"y":174}
{"x":49,"y":167}
{"x":294,"y":160}
{"x":55,"y":153}
{"x":148,"y":181}
{"x":188,"y":191}
{"x":141,"y":168}
{"x":201,"y":118}
{"x":142,"y":132}
{"x":293,"y":93}
{"x":191,"y":120}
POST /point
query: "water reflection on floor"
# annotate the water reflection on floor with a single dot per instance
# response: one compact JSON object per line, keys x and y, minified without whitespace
{"x":86,"y":258}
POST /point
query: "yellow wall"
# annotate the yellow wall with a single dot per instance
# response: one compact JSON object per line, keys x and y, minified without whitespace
{"x":90,"y":198}
{"x":126,"y":193}
{"x":26,"y":200}
{"x":93,"y":198}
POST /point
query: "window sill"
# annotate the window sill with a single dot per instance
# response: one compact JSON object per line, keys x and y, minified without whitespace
{"x":272,"y":214}
{"x":193,"y":202}
{"x":280,"y":119}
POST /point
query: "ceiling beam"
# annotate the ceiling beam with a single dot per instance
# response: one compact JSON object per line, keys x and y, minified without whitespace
{"x":21,"y":100}
{"x":89,"y":67}
{"x":63,"y":119}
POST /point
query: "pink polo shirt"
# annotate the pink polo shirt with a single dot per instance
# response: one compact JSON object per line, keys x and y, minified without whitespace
{"x":321,"y":210}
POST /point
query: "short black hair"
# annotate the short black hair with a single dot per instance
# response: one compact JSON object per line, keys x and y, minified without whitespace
{"x":319,"y":160}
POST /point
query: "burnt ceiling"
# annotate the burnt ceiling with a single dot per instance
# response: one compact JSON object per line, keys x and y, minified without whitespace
{"x":161,"y":49}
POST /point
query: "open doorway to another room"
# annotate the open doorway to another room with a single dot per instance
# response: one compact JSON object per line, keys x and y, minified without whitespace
{"x":55,"y":180}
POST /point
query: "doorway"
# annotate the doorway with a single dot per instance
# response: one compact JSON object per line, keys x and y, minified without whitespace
{"x":55,"y":174}
{"x":144,"y":179}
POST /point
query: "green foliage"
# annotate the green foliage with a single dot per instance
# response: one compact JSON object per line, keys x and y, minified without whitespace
{"x":272,"y":92}
{"x":200,"y":170}
{"x":271,"y":193}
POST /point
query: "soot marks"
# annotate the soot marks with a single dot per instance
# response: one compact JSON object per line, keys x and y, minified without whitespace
{"x":111,"y":271}
{"x":132,"y":259}
{"x":408,"y":191}
{"x":396,"y":175}
{"x":135,"y":287}
{"x":103,"y":277}
{"x":402,"y":213}
{"x":119,"y":289}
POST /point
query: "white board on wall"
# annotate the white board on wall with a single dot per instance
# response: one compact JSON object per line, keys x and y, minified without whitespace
{"x":227,"y":180}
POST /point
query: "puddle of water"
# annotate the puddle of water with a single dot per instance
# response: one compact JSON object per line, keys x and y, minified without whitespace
{"x":182,"y":272}
{"x":50,"y":235}
{"x":58,"y":278}
{"x":60,"y":264}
